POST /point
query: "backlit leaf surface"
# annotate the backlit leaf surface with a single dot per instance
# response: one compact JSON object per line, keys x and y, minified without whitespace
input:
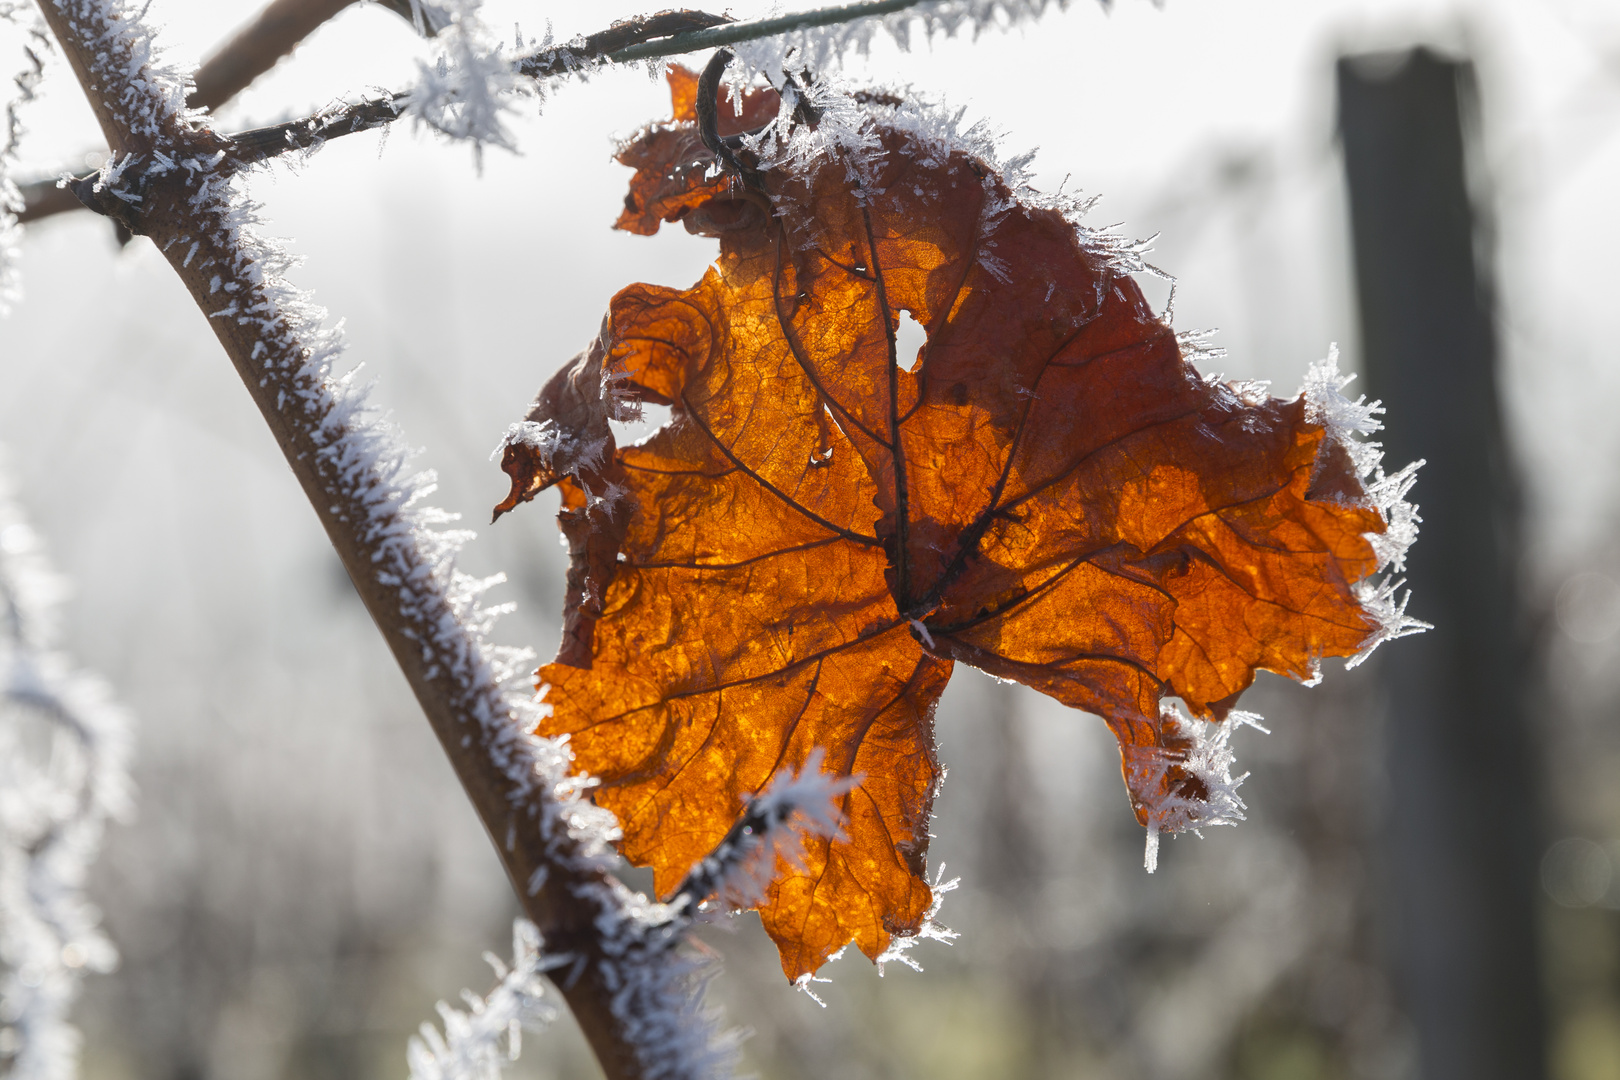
{"x":1047,"y":490}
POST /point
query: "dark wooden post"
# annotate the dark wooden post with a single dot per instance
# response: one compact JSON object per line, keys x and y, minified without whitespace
{"x":1463,"y":829}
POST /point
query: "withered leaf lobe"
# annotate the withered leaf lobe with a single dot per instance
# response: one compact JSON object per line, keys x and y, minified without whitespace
{"x":1048,"y":491}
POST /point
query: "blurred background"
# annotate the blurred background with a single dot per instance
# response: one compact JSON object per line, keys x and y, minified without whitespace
{"x":1429,"y":882}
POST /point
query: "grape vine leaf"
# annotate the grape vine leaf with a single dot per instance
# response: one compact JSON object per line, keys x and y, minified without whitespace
{"x":1048,"y":490}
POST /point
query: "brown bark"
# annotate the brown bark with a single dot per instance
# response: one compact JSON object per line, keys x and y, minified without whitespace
{"x":257,"y":46}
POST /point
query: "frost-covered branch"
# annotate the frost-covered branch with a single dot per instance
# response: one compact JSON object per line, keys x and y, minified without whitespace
{"x":655,"y":975}
{"x":64,"y":751}
{"x":820,"y":35}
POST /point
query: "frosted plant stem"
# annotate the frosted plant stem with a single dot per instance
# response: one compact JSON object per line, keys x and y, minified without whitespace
{"x":629,"y":988}
{"x":670,"y":33}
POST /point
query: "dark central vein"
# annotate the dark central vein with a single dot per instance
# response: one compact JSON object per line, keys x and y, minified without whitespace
{"x":897,"y":450}
{"x":974,"y":533}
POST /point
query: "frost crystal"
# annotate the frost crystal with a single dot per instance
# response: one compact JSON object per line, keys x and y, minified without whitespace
{"x":478,"y":1044}
{"x":1346,"y":421}
{"x":1208,"y":759}
{"x":930,"y":930}
{"x":64,"y":751}
{"x":743,"y":865}
{"x":467,"y":90}
{"x":561,"y":451}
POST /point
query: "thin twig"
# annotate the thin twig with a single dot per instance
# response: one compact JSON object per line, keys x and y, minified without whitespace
{"x":732,"y":33}
{"x":257,"y":47}
{"x":260,"y":144}
{"x":669,"y":33}
{"x":604,"y":45}
{"x":43,"y":198}
{"x":370,"y":113}
{"x":273,"y":34}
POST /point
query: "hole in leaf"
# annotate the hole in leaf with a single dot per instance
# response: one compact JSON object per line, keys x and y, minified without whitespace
{"x":630,"y":432}
{"x":909,"y":339}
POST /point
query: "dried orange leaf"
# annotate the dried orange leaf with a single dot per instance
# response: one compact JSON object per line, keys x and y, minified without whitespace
{"x":1047,"y":490}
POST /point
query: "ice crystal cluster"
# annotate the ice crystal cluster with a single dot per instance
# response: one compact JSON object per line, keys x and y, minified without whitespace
{"x":1210,"y":759}
{"x":64,"y":750}
{"x":479,"y":1043}
{"x":1348,"y":423}
{"x":468,"y":88}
